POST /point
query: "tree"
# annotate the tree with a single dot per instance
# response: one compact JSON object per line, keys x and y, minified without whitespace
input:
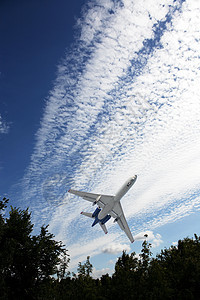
{"x":181,"y":269}
{"x":3,"y":205}
{"x":85,"y":270}
{"x":26,"y":261}
{"x":85,"y":285}
{"x":142,"y":274}
{"x":123,"y":278}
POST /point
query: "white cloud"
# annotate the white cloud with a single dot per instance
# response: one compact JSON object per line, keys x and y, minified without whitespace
{"x":119,"y":107}
{"x":85,"y":246}
{"x":98,"y":273}
{"x":116,"y":248}
{"x":154,"y":239}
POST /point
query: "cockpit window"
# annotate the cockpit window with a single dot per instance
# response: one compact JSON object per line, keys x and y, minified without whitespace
{"x":130,"y":182}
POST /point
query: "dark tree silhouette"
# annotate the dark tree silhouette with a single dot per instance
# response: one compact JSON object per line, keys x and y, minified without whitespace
{"x":26,"y":261}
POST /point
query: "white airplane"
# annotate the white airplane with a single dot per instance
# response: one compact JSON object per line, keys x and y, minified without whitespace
{"x":108,"y":206}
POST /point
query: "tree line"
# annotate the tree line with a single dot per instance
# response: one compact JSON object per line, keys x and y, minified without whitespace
{"x":36,"y":267}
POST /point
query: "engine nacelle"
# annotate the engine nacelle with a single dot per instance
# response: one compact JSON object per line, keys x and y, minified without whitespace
{"x":97,"y":199}
{"x":96,"y":212}
{"x":105,"y":219}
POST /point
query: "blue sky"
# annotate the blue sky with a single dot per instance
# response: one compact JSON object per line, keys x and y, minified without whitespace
{"x":93,"y":92}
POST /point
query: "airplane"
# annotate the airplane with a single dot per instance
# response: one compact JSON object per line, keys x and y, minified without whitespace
{"x":108,"y":206}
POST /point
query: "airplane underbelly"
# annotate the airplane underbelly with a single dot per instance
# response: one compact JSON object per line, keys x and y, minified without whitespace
{"x":105,"y":211}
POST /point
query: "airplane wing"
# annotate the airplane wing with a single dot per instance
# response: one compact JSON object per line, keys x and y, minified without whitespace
{"x":100,"y":200}
{"x":118,"y":214}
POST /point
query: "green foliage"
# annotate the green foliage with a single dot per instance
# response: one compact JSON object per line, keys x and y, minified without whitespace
{"x":29,"y":265}
{"x":181,"y":269}
{"x":3,"y":204}
{"x":173,"y":274}
{"x":85,"y":270}
{"x":84,"y":283}
{"x":25,"y":260}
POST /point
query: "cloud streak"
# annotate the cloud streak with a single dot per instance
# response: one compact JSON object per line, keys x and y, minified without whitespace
{"x":126,"y":101}
{"x":4,"y":128}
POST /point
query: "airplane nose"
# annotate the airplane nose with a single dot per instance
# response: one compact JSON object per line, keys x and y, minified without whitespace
{"x":135,"y":177}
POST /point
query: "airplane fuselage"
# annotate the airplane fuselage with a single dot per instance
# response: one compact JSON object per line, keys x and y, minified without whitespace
{"x":108,"y":206}
{"x":122,"y":191}
{"x":125,"y":188}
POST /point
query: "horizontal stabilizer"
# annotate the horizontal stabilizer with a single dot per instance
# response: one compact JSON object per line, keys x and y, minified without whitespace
{"x":103,"y":226}
{"x":87,"y":214}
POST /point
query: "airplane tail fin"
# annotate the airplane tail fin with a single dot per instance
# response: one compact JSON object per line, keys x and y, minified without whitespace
{"x":90,"y":215}
{"x":87,"y":214}
{"x":103,"y":226}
